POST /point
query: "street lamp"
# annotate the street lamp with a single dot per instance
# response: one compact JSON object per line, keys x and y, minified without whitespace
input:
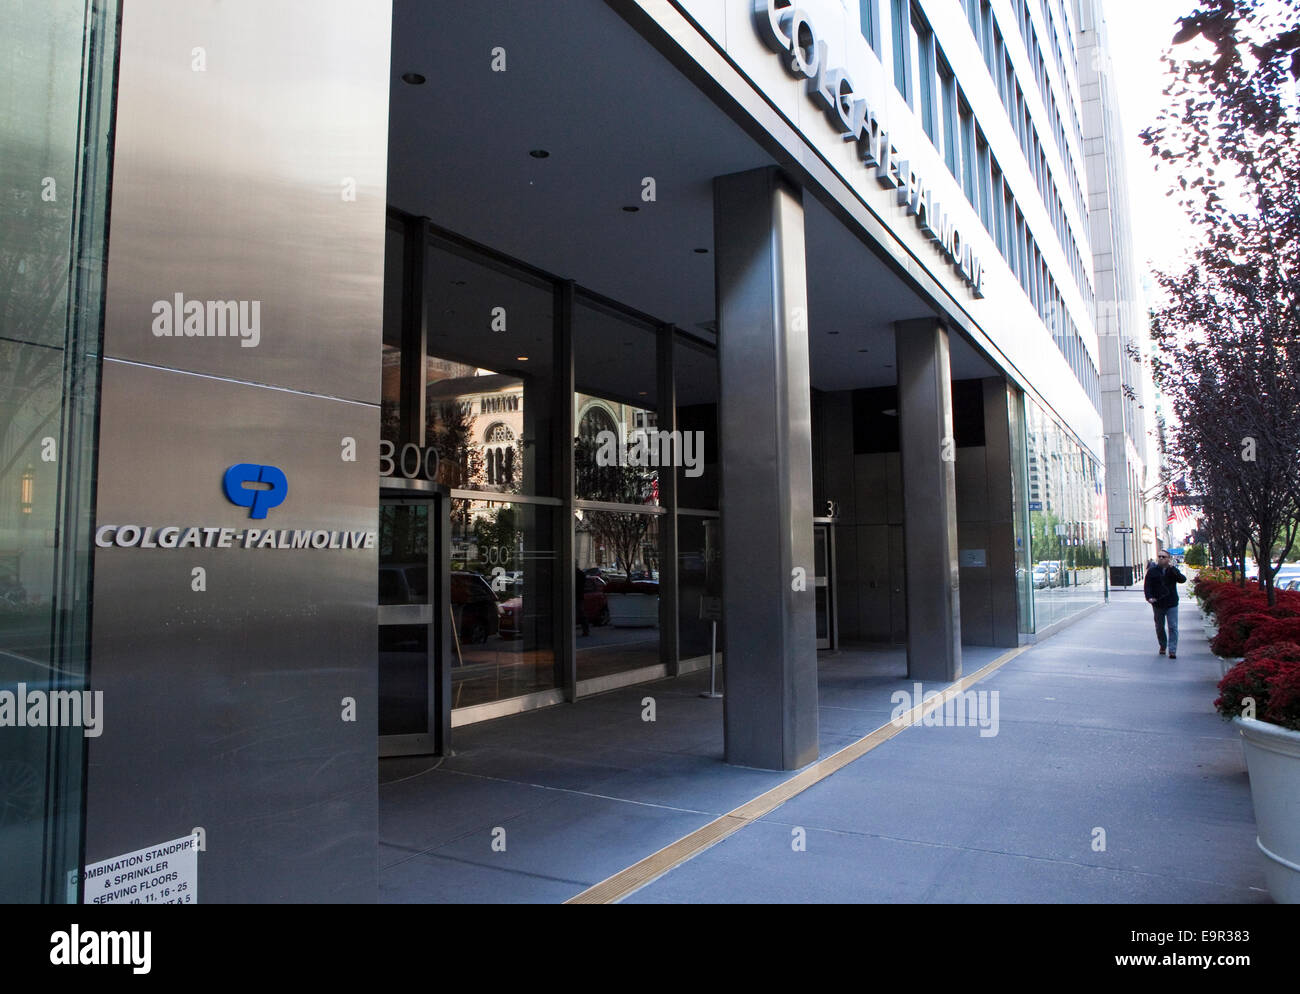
{"x":27,"y":487}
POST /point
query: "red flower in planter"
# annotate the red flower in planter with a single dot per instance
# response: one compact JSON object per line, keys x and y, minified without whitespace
{"x":1284,"y":700}
{"x":1277,"y":630}
{"x":1264,"y":674}
{"x":1228,"y":607}
{"x":1233,"y":633}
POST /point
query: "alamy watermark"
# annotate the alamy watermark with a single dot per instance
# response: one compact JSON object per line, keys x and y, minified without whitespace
{"x":650,"y":447}
{"x":181,"y":318}
{"x":965,"y":709}
{"x":26,"y":708}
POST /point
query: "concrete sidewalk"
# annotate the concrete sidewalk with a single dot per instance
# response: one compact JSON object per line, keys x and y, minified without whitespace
{"x":1096,"y":731}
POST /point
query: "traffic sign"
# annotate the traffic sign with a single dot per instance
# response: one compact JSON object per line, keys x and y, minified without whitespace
{"x":1123,"y":531}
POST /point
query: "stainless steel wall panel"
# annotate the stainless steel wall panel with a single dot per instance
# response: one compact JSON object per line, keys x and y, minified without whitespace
{"x":232,"y":182}
{"x":223,"y":708}
{"x":250,"y":167}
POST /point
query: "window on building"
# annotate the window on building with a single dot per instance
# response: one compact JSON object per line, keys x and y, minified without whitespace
{"x":983,"y":180}
{"x":995,"y":67}
{"x":870,"y":25}
{"x":987,"y":31}
{"x":900,"y":26}
{"x":948,"y":115}
{"x":923,"y":74}
{"x":1022,"y":252}
{"x":968,"y":165}
{"x":999,"y":211}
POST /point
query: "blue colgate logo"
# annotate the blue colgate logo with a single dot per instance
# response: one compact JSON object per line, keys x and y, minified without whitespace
{"x":260,"y":501}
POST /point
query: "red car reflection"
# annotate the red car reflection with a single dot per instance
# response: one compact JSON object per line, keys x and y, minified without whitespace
{"x":594,"y":604}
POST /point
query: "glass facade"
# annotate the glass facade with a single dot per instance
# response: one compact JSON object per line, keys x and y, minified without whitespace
{"x":488,"y":373}
{"x":503,"y":577}
{"x":56,"y":84}
{"x":1066,"y":507}
{"x":488,"y":337}
{"x":617,"y":473}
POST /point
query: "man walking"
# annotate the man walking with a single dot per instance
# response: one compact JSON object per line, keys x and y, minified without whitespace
{"x":1161,"y":591}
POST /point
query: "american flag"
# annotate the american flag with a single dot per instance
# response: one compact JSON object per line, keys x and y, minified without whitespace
{"x":1179,"y":513}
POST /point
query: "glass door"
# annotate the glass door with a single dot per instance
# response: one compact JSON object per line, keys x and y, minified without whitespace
{"x":414,"y":682}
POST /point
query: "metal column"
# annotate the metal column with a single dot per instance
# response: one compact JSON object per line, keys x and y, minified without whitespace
{"x":562,"y":435}
{"x":929,"y":459}
{"x":766,"y":472}
{"x":1003,"y":593}
{"x":668,"y":564}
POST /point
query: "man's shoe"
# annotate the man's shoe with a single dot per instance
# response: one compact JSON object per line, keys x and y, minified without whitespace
{"x":1173,"y":655}
{"x":1162,"y":650}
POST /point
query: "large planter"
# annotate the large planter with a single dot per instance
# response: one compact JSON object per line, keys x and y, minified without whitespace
{"x":633,"y":610}
{"x":1273,"y":759}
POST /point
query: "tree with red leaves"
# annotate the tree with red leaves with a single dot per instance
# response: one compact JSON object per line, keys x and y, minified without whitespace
{"x":1228,"y":334}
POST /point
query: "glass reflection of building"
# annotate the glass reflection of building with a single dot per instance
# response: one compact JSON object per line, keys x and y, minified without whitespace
{"x":1066,"y":514}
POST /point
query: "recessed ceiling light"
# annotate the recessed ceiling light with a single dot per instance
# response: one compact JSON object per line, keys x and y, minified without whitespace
{"x":631,"y":209}
{"x":457,"y":282}
{"x":860,"y":351}
{"x":521,"y":358}
{"x":642,"y":393}
{"x":540,"y":153}
{"x":414,"y":78}
{"x":701,"y":251}
{"x":832,"y":332}
{"x":890,"y":412}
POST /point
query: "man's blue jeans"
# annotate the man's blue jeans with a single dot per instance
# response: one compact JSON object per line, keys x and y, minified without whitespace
{"x":1167,"y":616}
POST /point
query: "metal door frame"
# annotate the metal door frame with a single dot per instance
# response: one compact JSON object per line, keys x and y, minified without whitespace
{"x":437,"y":740}
{"x":829,"y":582}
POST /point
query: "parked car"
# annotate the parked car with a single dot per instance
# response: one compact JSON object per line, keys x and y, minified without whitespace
{"x":595,"y":606}
{"x":1040,"y":577}
{"x":404,"y":583}
{"x":474,"y":607}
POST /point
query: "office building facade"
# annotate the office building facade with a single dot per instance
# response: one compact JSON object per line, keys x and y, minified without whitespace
{"x":374,"y":368}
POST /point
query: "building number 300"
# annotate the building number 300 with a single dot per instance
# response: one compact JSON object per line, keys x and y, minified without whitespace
{"x":413,"y":462}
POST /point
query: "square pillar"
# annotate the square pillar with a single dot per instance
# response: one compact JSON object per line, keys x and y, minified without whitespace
{"x":765,"y":423}
{"x":1003,"y":591}
{"x":929,"y":461}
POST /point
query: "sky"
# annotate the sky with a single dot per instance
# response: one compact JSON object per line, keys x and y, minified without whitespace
{"x":1140,"y":32}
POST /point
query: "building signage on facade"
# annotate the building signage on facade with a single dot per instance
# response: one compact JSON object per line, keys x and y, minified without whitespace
{"x":788,"y":30}
{"x":258,"y":501}
{"x":216,"y":537}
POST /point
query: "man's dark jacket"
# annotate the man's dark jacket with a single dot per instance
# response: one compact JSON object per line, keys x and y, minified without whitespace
{"x":1162,"y":585}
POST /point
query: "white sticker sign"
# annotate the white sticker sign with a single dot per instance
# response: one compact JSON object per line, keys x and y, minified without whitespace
{"x":167,"y":873}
